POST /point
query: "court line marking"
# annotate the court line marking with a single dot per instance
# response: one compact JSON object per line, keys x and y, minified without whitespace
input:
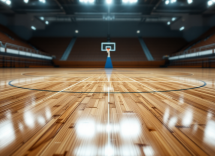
{"x":108,"y":81}
{"x":204,"y":84}
{"x":189,"y":74}
{"x":42,"y":100}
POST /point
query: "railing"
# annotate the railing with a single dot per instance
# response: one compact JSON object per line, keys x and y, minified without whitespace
{"x":1,"y":44}
{"x":19,"y":50}
{"x":199,"y":62}
{"x":202,"y":48}
{"x":195,"y":52}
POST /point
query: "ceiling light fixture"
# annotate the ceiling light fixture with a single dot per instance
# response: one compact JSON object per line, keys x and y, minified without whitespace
{"x":174,"y":18}
{"x":211,"y":2}
{"x":129,"y":1}
{"x":87,"y":1}
{"x":173,"y":1}
{"x":189,"y":1}
{"x":108,"y":1}
{"x":42,"y":1}
{"x":167,"y":2}
{"x":8,"y":2}
{"x":33,"y":28}
{"x":182,"y":28}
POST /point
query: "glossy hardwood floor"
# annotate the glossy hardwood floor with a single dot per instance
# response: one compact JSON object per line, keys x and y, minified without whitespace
{"x":97,"y":112}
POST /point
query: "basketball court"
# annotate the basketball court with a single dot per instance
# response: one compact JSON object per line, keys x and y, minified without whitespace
{"x":107,"y":112}
{"x":107,"y":78}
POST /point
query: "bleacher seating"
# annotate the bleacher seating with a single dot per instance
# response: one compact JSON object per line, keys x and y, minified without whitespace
{"x":207,"y":41}
{"x":12,"y":41}
{"x":89,"y":49}
{"x":51,"y":45}
{"x":200,"y":44}
{"x":194,"y":43}
{"x":128,"y":49}
{"x":7,"y":36}
{"x":164,"y":46}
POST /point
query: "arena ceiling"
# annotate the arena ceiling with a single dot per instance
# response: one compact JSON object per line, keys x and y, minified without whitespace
{"x":75,"y":11}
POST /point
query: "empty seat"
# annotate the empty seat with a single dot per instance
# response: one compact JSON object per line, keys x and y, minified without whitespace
{"x":207,"y":41}
{"x":197,"y":42}
{"x":164,"y":46}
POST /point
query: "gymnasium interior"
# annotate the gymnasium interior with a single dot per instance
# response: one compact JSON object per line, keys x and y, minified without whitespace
{"x":107,"y":77}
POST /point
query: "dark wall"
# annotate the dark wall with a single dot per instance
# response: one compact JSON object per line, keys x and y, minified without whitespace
{"x":21,"y":31}
{"x":198,"y":27}
{"x":3,"y":20}
{"x":194,"y":32}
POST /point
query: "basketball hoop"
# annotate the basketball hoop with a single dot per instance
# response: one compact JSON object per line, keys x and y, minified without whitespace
{"x":108,"y":49}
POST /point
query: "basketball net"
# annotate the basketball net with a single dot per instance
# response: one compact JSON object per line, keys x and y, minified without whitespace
{"x":108,"y":51}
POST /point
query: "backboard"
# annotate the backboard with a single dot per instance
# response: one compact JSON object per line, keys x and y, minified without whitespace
{"x":108,"y":45}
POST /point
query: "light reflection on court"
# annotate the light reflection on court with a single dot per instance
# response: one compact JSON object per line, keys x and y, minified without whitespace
{"x":127,"y":129}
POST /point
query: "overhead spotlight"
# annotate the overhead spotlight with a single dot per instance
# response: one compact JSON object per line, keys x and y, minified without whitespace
{"x":8,"y":2}
{"x":42,"y":18}
{"x":87,"y":1}
{"x":47,"y":22}
{"x":138,"y":31}
{"x":129,"y":1}
{"x":33,"y":28}
{"x":168,"y":23}
{"x":26,"y":1}
{"x":174,"y":18}
{"x":76,"y":31}
{"x":210,"y":2}
{"x":167,"y":2}
{"x":108,"y":1}
{"x":182,"y":28}
{"x":173,"y":1}
{"x":42,"y":1}
{"x":189,"y":1}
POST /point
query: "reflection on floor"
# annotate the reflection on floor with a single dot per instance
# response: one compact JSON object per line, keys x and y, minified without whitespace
{"x":114,"y":112}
